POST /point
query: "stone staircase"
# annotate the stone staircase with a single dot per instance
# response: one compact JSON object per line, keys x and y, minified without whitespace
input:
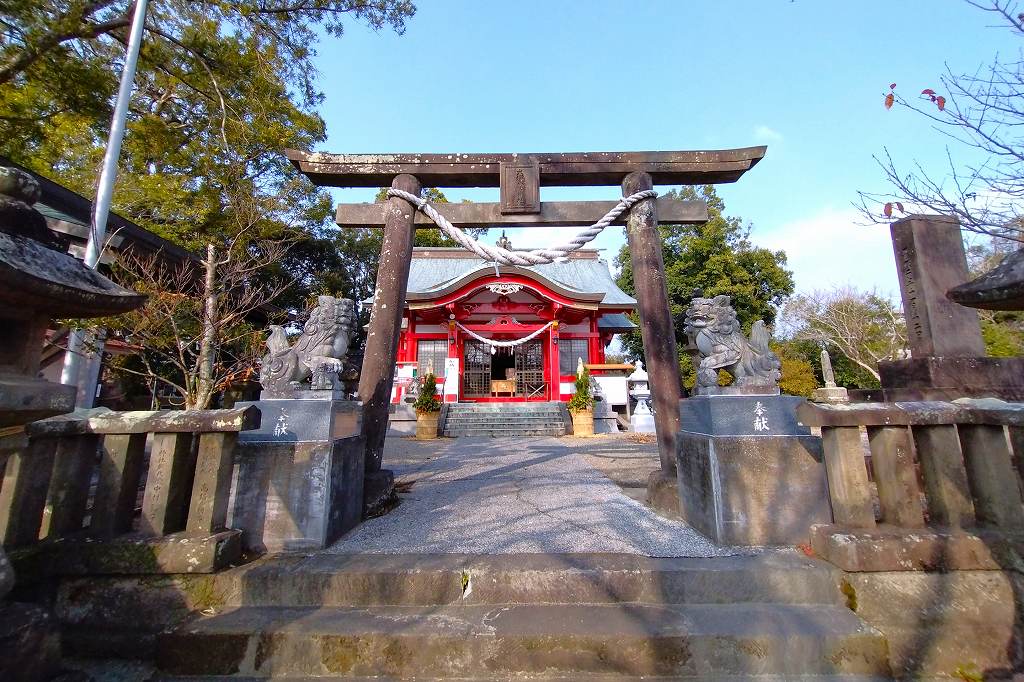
{"x":504,"y":419}
{"x":542,"y":617}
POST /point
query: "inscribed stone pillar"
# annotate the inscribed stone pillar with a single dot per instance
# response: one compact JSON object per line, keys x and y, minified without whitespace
{"x":930,"y":260}
{"x":377,"y":376}
{"x":656,"y":326}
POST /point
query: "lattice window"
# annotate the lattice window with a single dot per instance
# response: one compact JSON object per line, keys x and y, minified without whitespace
{"x":428,"y":352}
{"x":569,"y":353}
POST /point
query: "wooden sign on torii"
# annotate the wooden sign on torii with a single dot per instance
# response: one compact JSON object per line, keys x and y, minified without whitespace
{"x":520,"y":177}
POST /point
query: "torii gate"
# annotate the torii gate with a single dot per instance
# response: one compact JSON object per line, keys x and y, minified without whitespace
{"x":519,"y":177}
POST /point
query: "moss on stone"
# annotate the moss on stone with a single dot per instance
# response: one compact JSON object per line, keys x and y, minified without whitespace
{"x":850,"y":593}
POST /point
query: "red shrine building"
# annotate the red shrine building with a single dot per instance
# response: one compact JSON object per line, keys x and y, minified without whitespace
{"x":506,"y":334}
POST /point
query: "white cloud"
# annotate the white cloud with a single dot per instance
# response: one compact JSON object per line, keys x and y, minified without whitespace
{"x":831,"y":249}
{"x":765,"y":134}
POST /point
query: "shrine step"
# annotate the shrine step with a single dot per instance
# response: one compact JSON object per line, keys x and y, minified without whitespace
{"x":335,"y":580}
{"x":504,"y":420}
{"x":579,"y":677}
{"x":503,"y":433}
{"x":684,"y":641}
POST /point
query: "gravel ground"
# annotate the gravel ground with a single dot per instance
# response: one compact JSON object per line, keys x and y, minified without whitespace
{"x":524,"y":495}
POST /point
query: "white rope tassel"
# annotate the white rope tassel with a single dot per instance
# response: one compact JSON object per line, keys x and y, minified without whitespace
{"x":497,"y":254}
{"x":494,"y":343}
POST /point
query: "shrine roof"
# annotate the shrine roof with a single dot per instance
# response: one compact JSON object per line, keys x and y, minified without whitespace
{"x":614,"y":322}
{"x":435,"y":272}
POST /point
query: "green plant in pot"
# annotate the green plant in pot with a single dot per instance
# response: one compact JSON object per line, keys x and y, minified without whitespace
{"x":581,"y":405}
{"x":428,"y":408}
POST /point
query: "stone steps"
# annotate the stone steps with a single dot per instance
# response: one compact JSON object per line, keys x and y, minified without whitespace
{"x":686,"y":641}
{"x":423,"y":580}
{"x":503,"y":433}
{"x":582,"y":677}
{"x":480,"y":419}
{"x":596,"y":617}
{"x":504,"y":420}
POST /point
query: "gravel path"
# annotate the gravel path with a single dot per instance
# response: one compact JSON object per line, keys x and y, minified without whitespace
{"x":522,"y":495}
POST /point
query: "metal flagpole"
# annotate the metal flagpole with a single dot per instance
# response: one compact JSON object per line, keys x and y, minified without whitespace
{"x":104,"y":192}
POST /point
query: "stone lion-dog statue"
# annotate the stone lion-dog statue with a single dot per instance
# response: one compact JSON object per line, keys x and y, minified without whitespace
{"x":318,"y":355}
{"x":712,"y":325}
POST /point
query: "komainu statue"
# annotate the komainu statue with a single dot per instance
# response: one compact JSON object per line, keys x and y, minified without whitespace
{"x":319,"y":354}
{"x":712,"y":325}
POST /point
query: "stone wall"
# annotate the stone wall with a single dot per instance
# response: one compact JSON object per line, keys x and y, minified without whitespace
{"x":961,"y":624}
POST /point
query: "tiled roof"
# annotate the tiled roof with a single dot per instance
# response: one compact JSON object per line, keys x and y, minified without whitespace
{"x":583,"y":275}
{"x":614,"y":322}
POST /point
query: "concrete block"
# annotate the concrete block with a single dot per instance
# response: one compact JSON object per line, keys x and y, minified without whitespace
{"x":888,"y":548}
{"x":743,"y":490}
{"x":938,"y":624}
{"x":296,"y":495}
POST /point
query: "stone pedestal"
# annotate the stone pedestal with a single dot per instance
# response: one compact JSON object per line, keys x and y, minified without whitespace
{"x":949,"y":378}
{"x":402,"y":420}
{"x":748,"y":473}
{"x":298,"y":479}
{"x":830,"y":394}
{"x":605,"y":419}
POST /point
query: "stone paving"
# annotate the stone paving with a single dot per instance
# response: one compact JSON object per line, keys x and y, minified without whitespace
{"x":523,"y":495}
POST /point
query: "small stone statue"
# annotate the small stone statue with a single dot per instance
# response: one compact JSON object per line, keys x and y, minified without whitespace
{"x":318,"y":355}
{"x":826,"y":370}
{"x":830,"y":393}
{"x":712,"y":325}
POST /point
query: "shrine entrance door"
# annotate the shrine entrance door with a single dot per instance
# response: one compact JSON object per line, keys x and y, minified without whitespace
{"x":513,"y":374}
{"x":476,"y":373}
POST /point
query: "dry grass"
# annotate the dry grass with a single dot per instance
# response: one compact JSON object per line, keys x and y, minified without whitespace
{"x":642,"y":438}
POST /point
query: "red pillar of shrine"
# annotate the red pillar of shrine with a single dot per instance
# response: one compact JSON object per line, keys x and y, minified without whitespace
{"x":554,"y":380}
{"x":594,"y":342}
{"x":453,"y":352}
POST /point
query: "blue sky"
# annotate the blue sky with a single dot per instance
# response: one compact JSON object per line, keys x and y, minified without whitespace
{"x":804,"y":77}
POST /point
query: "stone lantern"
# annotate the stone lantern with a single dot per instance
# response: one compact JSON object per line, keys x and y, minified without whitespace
{"x":642,"y":419}
{"x":39,"y":281}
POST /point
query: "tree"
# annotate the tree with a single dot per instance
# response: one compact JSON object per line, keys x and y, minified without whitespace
{"x":717,"y":258}
{"x":981,"y":114}
{"x":864,"y":326}
{"x":195,"y":335}
{"x":222,"y":87}
{"x":798,"y":376}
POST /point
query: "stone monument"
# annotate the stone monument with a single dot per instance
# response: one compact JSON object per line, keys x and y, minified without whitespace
{"x":748,"y":472}
{"x":947,"y":352}
{"x":39,"y":281}
{"x":829,"y":393}
{"x":299,"y":477}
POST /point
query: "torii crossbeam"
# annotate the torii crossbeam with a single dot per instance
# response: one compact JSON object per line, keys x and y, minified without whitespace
{"x":520,"y":177}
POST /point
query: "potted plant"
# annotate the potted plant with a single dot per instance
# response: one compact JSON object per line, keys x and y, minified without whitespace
{"x":428,"y":408}
{"x":581,"y":405}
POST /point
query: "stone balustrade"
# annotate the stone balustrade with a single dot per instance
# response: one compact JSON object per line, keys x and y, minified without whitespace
{"x":99,"y":457}
{"x":947,"y":489}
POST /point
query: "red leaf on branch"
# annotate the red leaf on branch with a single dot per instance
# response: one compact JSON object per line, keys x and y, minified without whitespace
{"x":887,"y":210}
{"x":889,"y":99}
{"x":899,"y":207}
{"x":927,"y":91}
{"x":892,"y":86}
{"x":940,"y":102}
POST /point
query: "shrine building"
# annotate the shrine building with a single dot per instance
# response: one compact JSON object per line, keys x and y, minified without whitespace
{"x":510,"y":334}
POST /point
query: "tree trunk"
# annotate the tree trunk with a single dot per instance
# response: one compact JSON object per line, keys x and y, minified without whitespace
{"x":207,"y":350}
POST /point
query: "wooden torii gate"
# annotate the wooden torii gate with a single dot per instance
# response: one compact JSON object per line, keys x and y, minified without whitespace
{"x":520,"y":177}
